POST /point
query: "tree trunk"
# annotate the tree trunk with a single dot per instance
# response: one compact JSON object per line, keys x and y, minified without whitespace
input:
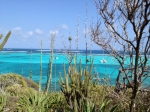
{"x":136,"y":85}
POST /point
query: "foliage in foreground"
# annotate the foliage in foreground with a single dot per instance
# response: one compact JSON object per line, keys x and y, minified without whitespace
{"x":18,"y":96}
{"x":78,"y":88}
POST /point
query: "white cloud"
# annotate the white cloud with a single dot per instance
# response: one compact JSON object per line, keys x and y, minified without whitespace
{"x":17,"y":29}
{"x":64,"y":26}
{"x":38,"y":31}
{"x":30,"y":33}
{"x":54,"y":32}
{"x":27,"y":34}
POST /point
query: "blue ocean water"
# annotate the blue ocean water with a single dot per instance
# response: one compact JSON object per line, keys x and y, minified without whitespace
{"x":21,"y":61}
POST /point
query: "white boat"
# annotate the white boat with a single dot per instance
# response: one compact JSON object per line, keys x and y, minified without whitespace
{"x":56,"y":58}
{"x":103,"y":61}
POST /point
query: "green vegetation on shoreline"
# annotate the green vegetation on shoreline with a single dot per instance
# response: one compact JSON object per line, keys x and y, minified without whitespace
{"x":19,"y":94}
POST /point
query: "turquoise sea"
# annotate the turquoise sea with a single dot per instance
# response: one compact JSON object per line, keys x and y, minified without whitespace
{"x":21,"y":61}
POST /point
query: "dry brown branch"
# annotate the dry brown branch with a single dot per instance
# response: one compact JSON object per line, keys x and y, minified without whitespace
{"x":125,"y":23}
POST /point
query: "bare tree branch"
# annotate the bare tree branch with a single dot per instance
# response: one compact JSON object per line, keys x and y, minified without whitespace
{"x":125,"y":23}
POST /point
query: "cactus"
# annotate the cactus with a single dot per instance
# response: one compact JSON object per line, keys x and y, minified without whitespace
{"x":49,"y":79}
{"x":5,"y":40}
{"x":77,"y":86}
{"x":40,"y":80}
{"x":31,"y":65}
{"x":31,"y":74}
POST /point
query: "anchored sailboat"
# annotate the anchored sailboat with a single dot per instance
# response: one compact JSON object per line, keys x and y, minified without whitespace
{"x":103,"y":60}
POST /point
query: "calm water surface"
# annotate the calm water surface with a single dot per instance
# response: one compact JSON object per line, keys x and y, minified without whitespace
{"x":21,"y":61}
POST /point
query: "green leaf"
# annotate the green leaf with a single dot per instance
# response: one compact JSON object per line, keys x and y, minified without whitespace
{"x":114,"y":108}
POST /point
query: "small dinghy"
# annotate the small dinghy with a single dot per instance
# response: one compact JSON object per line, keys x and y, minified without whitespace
{"x":103,"y":61}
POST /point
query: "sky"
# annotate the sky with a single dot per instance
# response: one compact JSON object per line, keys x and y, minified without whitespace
{"x":31,"y":21}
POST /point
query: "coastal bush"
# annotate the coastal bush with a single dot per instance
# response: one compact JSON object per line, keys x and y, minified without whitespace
{"x":11,"y":79}
{"x":11,"y":103}
{"x":3,"y":99}
{"x":100,"y":98}
{"x":76,"y":87}
{"x":42,"y":102}
{"x":17,"y":82}
{"x":57,"y":102}
{"x":32,"y":102}
{"x":81,"y":92}
{"x":31,"y":83}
